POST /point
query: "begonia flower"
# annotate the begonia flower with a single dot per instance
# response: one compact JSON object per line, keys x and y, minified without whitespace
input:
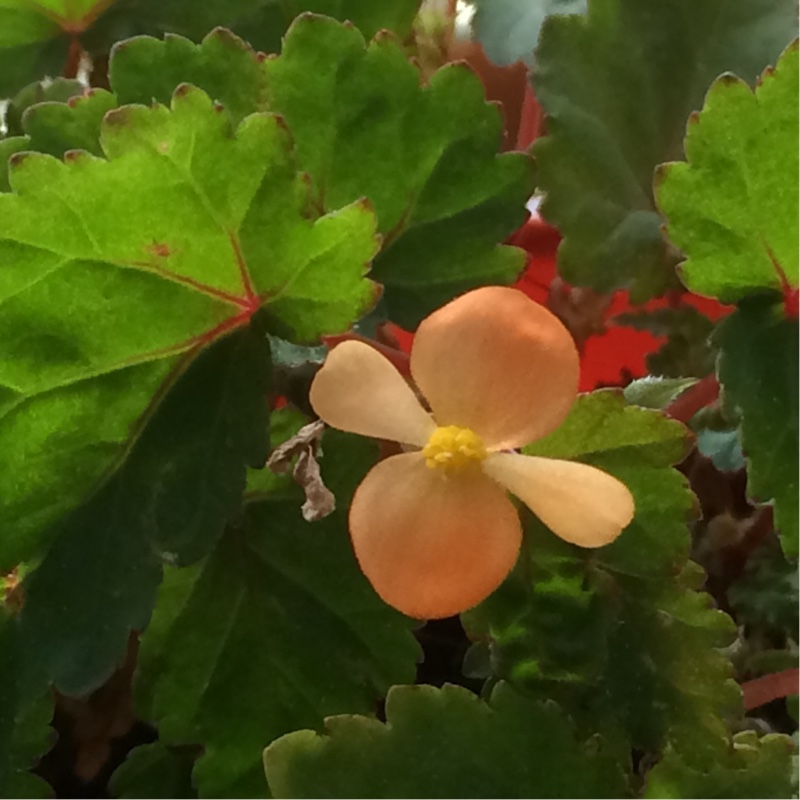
{"x":433,"y":528}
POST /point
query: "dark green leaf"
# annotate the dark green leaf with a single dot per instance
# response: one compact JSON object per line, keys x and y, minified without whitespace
{"x":752,"y":767}
{"x":115,"y":274}
{"x":445,"y":743}
{"x":733,"y":207}
{"x":276,"y":630}
{"x":758,"y":369}
{"x":766,"y":597}
{"x":424,"y":156}
{"x":153,"y":770}
{"x":687,"y":351}
{"x":26,"y":707}
{"x":618,"y":634}
{"x":170,"y":500}
{"x":32,"y":43}
{"x":618,"y":86}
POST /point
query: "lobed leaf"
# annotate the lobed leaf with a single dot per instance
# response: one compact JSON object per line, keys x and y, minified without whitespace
{"x":733,"y":206}
{"x":177,"y":238}
{"x":281,"y":611}
{"x":618,"y":635}
{"x":758,"y":369}
{"x":445,"y":743}
{"x":617,"y":86}
{"x":425,"y":156}
{"x":752,"y":767}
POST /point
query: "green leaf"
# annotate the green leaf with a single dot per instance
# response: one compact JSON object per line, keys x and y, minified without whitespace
{"x":687,"y":351}
{"x":733,"y":208}
{"x":178,"y":237}
{"x":618,"y":635}
{"x":766,"y":597}
{"x":752,"y":767}
{"x":445,"y":743}
{"x":26,"y":707}
{"x":281,"y":612}
{"x":153,"y":770}
{"x":55,"y":128}
{"x":32,"y":42}
{"x":617,"y":86}
{"x":57,"y":91}
{"x":424,"y":156}
{"x":656,"y":393}
{"x":758,"y":369}
{"x":226,"y":68}
{"x":170,"y":500}
{"x":509,"y":29}
{"x":14,"y":144}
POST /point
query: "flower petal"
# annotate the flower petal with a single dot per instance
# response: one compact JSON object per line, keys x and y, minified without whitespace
{"x":579,"y":503}
{"x":358,"y":390}
{"x":432,"y":545}
{"x":496,"y":362}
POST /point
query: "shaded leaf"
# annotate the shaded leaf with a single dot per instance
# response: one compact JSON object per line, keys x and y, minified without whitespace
{"x":752,"y":767}
{"x":32,"y":43}
{"x":733,"y":208}
{"x":183,"y":215}
{"x":617,"y":86}
{"x":170,"y":500}
{"x":687,"y":351}
{"x":509,"y":29}
{"x":280,"y":609}
{"x":57,"y":91}
{"x":618,"y":635}
{"x":26,"y":707}
{"x":445,"y":743}
{"x":758,"y":369}
{"x":424,"y":156}
{"x":153,"y":770}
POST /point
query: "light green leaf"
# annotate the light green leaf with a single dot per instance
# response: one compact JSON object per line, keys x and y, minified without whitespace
{"x":281,"y":612}
{"x":178,"y":237}
{"x":654,"y":392}
{"x":618,"y":86}
{"x":752,"y":767}
{"x":425,"y":156}
{"x":445,"y":743}
{"x":733,"y":208}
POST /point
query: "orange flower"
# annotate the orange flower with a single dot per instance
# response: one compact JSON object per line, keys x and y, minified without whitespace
{"x":433,"y":528}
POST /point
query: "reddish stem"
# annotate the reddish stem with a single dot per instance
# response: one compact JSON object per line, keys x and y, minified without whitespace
{"x":73,"y":62}
{"x":688,"y":403}
{"x":764,"y":690}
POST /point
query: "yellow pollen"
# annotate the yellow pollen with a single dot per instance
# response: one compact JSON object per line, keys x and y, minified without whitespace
{"x":453,"y":449}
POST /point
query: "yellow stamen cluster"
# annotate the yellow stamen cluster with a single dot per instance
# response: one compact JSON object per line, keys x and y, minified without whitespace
{"x":453,"y":449}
